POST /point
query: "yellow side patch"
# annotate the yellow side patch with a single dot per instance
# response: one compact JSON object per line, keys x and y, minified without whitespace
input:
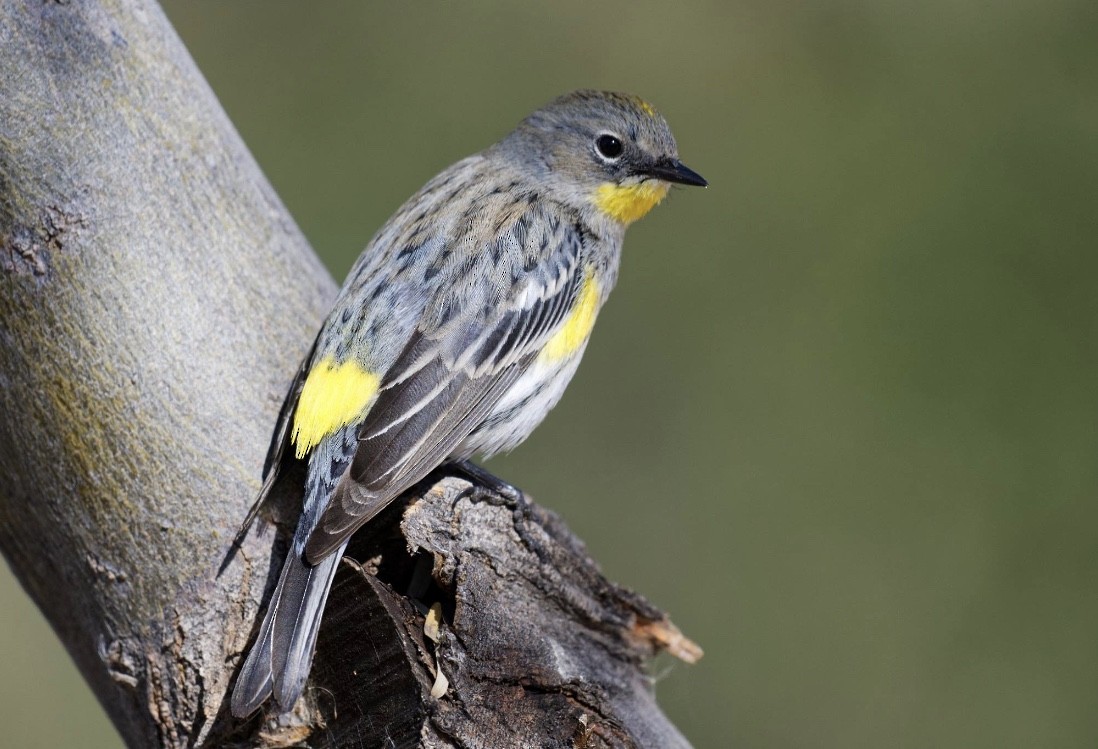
{"x":577,"y":327}
{"x":627,"y":203}
{"x":333,"y":396}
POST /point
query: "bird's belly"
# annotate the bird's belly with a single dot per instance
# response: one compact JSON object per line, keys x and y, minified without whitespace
{"x":522,"y":407}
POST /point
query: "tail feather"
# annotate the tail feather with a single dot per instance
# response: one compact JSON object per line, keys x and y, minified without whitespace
{"x":255,"y":680}
{"x":296,"y":626}
{"x":282,"y":655}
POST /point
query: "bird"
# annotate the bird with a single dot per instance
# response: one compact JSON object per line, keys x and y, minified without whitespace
{"x":455,"y":333}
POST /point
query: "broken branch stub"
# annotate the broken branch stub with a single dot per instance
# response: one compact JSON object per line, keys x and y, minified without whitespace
{"x":535,"y":647}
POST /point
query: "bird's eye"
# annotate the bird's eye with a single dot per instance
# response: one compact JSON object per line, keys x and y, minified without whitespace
{"x":609,"y":147}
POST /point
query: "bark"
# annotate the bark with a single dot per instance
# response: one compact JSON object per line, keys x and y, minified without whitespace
{"x":156,"y":300}
{"x":535,"y":647}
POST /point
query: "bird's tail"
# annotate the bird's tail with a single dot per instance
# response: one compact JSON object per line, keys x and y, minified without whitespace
{"x":279,"y":661}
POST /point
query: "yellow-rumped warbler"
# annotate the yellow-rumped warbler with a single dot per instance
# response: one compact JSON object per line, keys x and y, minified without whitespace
{"x":456,"y":332}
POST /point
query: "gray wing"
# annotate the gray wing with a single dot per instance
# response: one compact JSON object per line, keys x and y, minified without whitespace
{"x":452,"y":371}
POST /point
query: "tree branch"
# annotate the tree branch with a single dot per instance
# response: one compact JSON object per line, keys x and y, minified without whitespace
{"x":156,"y":300}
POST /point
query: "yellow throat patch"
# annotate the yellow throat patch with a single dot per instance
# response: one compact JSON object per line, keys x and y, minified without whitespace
{"x":577,"y":327}
{"x":627,"y":203}
{"x":333,"y":396}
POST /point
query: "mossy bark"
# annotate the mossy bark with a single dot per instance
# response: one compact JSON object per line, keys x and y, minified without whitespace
{"x":156,"y":299}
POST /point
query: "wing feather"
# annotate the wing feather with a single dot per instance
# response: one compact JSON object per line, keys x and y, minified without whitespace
{"x":276,"y":451}
{"x":441,"y":387}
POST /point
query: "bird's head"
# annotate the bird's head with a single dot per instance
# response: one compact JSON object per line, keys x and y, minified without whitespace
{"x":605,"y":153}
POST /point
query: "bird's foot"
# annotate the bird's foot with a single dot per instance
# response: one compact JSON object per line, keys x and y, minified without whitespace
{"x":494,"y":490}
{"x":486,"y":484}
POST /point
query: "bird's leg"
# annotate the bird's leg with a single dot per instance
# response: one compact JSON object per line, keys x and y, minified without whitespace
{"x":487,"y":486}
{"x":482,"y":479}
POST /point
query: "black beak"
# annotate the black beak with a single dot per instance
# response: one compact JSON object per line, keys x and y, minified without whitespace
{"x":673,"y":170}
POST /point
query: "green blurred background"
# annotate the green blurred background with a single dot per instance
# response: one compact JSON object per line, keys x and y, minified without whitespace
{"x":839,"y":418}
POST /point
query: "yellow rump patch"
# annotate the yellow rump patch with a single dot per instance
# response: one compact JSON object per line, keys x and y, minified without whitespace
{"x":333,"y":396}
{"x":577,"y":327}
{"x":627,"y":203}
